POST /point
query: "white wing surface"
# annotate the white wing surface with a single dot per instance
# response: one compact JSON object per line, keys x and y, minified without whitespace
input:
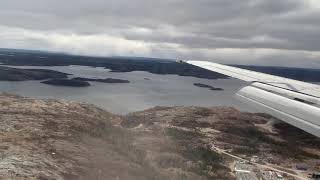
{"x":252,"y":76}
{"x":295,"y":102}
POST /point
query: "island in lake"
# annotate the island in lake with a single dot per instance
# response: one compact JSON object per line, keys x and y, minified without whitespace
{"x":81,"y":82}
{"x":67,"y":82}
{"x":107,"y":80}
{"x":208,"y":87}
{"x":50,"y":77}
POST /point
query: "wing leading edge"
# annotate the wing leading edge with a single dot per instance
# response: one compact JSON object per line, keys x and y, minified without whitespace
{"x":295,"y":102}
{"x":252,"y":76}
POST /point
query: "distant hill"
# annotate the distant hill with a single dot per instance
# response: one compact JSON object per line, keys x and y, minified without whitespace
{"x":152,"y":65}
{"x":302,"y":74}
{"x":116,"y":64}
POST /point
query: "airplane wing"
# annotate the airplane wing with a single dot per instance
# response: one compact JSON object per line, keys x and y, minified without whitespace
{"x":295,"y":102}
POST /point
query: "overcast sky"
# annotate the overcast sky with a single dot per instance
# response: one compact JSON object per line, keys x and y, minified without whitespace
{"x":262,"y":32}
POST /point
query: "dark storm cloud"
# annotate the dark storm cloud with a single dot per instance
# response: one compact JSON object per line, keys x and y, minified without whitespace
{"x":201,"y":29}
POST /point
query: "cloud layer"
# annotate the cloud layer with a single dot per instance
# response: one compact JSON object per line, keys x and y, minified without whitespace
{"x":264,"y":32}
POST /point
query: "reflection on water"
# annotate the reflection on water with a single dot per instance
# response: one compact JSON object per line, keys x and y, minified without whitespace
{"x":140,"y":94}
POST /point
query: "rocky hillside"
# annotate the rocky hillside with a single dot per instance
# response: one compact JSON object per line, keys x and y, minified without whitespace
{"x":42,"y":139}
{"x":50,"y":139}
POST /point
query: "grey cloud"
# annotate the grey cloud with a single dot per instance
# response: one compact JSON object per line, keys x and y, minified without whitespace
{"x":168,"y":28}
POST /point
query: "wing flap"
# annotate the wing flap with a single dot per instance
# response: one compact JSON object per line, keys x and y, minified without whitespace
{"x":296,"y":113}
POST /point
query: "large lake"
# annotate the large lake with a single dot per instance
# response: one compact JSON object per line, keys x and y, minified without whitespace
{"x":146,"y":90}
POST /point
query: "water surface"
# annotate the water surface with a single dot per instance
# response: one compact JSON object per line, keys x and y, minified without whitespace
{"x":146,"y":90}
